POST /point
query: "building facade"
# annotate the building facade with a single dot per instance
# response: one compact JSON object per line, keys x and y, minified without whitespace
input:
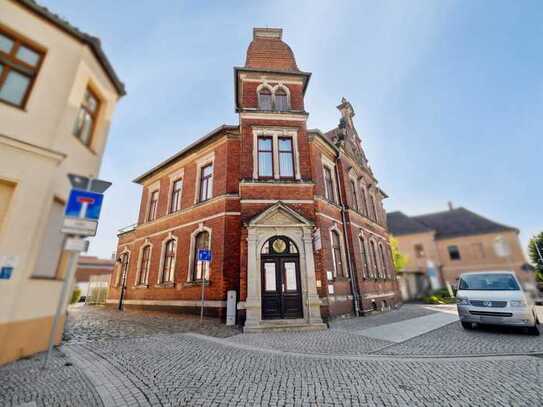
{"x":57,"y":96}
{"x":293,"y":216}
{"x":453,"y":242}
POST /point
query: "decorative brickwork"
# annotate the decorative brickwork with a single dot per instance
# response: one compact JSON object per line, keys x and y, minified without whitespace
{"x":245,"y":210}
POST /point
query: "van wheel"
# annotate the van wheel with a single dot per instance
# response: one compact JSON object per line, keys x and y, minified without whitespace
{"x":467,"y":325}
{"x":533,"y":330}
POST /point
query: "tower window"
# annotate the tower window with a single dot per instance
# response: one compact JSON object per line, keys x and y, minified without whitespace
{"x":265,"y":99}
{"x":281,"y":100}
{"x":153,"y":206}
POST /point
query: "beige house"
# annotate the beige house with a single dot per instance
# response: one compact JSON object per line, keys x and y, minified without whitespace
{"x":449,"y":243}
{"x":57,"y":95}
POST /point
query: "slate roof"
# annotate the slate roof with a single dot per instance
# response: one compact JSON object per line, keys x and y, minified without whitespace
{"x":91,"y":41}
{"x":401,"y":224}
{"x":270,"y":52}
{"x":447,"y":224}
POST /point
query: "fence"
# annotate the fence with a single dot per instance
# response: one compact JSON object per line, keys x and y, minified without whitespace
{"x":98,"y":289}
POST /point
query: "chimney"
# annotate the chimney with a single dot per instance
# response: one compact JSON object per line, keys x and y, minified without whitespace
{"x":268,"y":33}
{"x":451,"y":207}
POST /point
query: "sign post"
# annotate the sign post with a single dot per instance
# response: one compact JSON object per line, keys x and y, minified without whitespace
{"x":204,"y":256}
{"x":81,"y":216}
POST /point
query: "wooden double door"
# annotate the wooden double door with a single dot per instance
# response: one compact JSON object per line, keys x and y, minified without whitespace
{"x":281,"y":288}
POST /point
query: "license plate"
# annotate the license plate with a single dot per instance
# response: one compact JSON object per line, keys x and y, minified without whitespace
{"x":491,"y":320}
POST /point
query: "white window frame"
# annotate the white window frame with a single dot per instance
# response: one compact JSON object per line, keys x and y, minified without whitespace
{"x":190,"y":269}
{"x":147,"y":243}
{"x":171,"y":279}
{"x":173,"y":177}
{"x":200,"y":164}
{"x":335,"y":228}
{"x":327,"y":163}
{"x":276,"y":133}
{"x":155,"y":187}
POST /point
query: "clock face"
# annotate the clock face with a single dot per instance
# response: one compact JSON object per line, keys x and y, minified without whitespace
{"x":279,"y":246}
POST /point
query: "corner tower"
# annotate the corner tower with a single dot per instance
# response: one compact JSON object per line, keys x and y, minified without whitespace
{"x":276,"y":188}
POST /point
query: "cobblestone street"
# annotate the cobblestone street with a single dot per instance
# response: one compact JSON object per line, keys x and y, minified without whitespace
{"x":141,"y":359}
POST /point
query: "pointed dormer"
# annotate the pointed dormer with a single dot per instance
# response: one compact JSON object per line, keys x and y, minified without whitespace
{"x":345,"y":135}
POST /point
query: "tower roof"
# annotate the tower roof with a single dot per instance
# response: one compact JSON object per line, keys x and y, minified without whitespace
{"x":268,"y":51}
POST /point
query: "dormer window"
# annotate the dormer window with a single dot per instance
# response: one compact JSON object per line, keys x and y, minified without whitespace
{"x":265,"y":99}
{"x":281,"y":100}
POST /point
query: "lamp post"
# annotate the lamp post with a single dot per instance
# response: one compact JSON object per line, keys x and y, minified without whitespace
{"x":123,"y":282}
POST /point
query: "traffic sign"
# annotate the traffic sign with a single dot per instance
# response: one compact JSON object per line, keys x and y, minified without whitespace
{"x":84,"y":204}
{"x":81,"y":227}
{"x":204,"y":255}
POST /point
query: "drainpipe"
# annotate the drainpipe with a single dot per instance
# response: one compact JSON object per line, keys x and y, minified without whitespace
{"x":353,"y":279}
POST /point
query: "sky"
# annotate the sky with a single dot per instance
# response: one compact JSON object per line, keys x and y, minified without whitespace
{"x":448,"y":95}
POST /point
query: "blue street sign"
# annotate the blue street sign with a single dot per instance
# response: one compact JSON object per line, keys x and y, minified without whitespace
{"x":204,"y":255}
{"x":5,"y":272}
{"x":84,"y":204}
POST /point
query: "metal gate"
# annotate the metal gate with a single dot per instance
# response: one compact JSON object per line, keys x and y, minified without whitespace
{"x":98,"y":289}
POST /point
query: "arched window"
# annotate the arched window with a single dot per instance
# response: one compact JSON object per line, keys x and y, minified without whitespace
{"x":336,"y":253}
{"x":383,"y":261}
{"x":200,"y":269}
{"x":373,"y":212}
{"x":265,"y":99}
{"x":364,"y":202}
{"x":168,"y":264}
{"x":144,"y":265}
{"x":373,"y":256}
{"x":364,"y":257}
{"x":281,"y":100}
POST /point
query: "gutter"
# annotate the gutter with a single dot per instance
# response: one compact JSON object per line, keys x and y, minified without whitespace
{"x":353,"y":278}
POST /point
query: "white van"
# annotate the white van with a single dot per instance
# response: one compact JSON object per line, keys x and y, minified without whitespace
{"x":495,"y":298}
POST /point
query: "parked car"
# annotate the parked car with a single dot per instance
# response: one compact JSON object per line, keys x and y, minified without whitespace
{"x":495,"y":298}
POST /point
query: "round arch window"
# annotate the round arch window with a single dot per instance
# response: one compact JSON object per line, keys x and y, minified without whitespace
{"x":279,"y":245}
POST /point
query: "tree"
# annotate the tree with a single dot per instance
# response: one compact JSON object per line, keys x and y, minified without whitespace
{"x":400,"y":260}
{"x":536,"y":257}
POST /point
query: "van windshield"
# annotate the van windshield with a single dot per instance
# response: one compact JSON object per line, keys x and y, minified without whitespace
{"x":491,"y":282}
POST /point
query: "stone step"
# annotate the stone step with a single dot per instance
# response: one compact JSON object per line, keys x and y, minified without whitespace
{"x":285,"y":326}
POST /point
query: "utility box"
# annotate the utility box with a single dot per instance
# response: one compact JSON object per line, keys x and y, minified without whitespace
{"x":231,"y":307}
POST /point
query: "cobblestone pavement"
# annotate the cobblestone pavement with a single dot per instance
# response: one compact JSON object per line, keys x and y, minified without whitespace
{"x":452,"y":339}
{"x":406,"y":311}
{"x":151,"y":361}
{"x":179,"y":370}
{"x":95,"y":323}
{"x":321,"y":342}
{"x":62,"y":384}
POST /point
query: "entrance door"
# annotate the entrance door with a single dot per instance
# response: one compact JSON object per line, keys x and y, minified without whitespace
{"x":281,"y":291}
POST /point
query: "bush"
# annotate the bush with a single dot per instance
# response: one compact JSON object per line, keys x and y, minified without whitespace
{"x":75,"y":295}
{"x":438,"y":299}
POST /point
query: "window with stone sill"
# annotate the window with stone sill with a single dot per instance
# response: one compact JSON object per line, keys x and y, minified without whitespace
{"x":336,"y":254}
{"x":153,"y":207}
{"x":329,"y":185}
{"x":19,"y":66}
{"x":145,"y":265}
{"x":200,"y":269}
{"x":265,"y":99}
{"x":87,"y":117}
{"x":354,"y":197}
{"x":168,"y":263}
{"x":175,"y":200}
{"x":206,"y":183}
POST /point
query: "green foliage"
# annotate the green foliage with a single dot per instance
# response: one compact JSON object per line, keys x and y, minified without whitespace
{"x":534,"y":256}
{"x":438,"y":299}
{"x":75,"y":295}
{"x":400,"y":260}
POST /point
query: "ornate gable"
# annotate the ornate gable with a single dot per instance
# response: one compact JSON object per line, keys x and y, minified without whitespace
{"x":280,"y":214}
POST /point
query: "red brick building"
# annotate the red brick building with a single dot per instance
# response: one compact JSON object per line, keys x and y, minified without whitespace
{"x":293,"y":216}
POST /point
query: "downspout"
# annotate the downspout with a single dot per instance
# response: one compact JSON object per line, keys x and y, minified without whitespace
{"x":353,"y":277}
